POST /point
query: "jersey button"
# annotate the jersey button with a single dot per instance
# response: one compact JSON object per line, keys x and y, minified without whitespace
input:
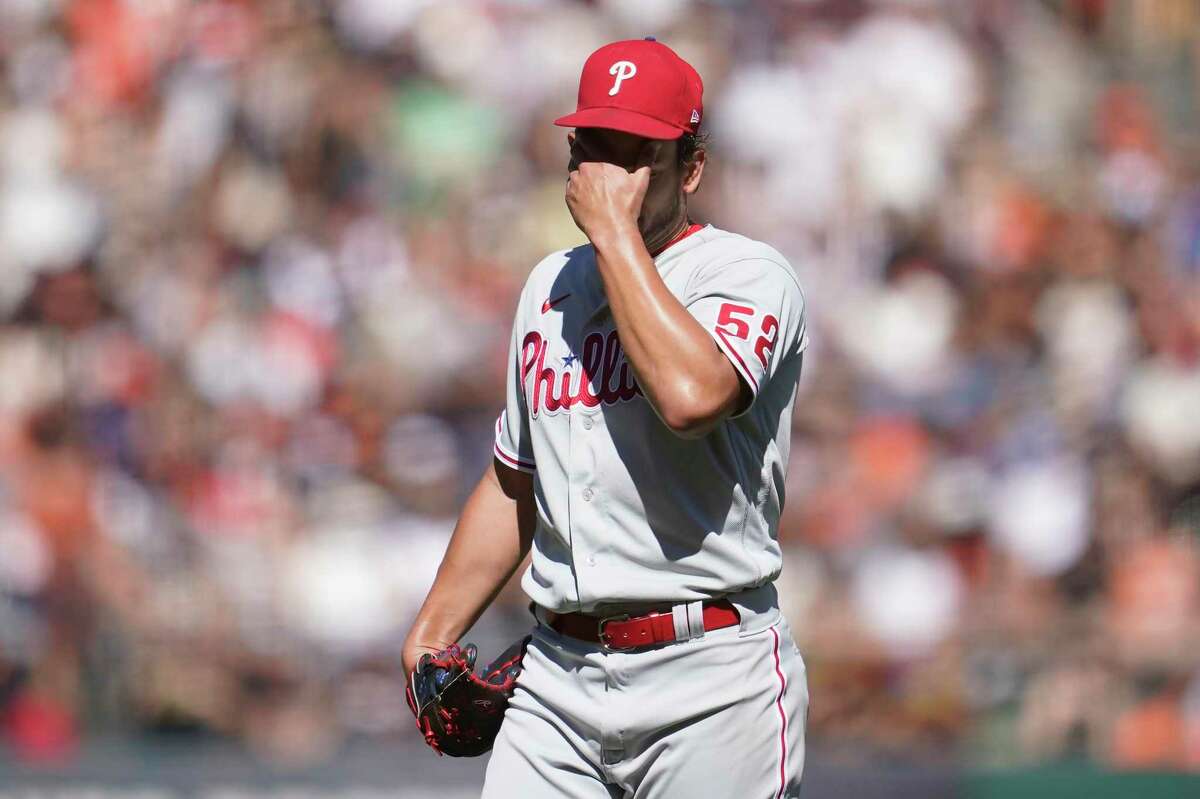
{"x":587,"y":423}
{"x":587,"y":495}
{"x":591,"y":560}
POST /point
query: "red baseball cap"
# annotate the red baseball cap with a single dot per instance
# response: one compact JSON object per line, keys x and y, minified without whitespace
{"x":638,"y":86}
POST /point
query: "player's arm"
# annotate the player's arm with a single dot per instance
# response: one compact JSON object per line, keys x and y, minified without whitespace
{"x":492,"y":537}
{"x":683,"y":374}
{"x":688,"y":380}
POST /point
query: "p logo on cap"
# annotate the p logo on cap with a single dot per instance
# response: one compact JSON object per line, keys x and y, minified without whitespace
{"x":664,"y":101}
{"x":623,"y":70}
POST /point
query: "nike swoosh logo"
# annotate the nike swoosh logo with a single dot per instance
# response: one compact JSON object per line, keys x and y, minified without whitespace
{"x":548,"y":304}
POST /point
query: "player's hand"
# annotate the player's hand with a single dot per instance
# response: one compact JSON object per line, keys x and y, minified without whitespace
{"x":605,"y":198}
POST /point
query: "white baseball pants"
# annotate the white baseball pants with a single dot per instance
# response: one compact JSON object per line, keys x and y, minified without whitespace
{"x":719,"y":717}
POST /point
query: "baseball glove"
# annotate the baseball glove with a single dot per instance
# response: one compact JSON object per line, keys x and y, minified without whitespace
{"x":459,"y":712}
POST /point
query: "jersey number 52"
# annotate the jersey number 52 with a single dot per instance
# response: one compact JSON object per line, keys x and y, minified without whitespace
{"x":734,"y":320}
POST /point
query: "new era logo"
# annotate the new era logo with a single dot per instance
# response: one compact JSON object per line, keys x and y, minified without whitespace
{"x":695,"y":116}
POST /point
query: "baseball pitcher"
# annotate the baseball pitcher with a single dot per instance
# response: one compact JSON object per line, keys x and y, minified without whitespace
{"x":640,"y":457}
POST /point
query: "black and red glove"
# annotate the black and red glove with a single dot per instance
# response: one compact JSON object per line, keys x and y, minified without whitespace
{"x":459,"y":712}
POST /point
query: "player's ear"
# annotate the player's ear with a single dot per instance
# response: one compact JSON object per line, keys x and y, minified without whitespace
{"x":693,"y":171}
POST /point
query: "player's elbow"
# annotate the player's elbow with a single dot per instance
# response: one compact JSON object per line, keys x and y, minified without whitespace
{"x":691,"y":414}
{"x":695,"y":405}
{"x":694,"y":430}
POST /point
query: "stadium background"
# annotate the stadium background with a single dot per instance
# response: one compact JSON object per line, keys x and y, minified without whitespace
{"x":257,"y":266}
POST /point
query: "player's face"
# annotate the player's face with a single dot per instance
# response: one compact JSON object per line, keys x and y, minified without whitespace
{"x":663,"y":206}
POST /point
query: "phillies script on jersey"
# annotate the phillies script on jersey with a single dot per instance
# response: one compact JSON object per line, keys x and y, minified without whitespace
{"x":603,"y":376}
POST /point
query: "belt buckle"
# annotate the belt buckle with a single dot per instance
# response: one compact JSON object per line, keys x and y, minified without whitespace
{"x":603,"y":637}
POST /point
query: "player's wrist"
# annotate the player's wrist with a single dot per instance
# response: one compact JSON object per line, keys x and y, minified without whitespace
{"x":615,"y":235}
{"x":420,"y":641}
{"x":411,"y":654}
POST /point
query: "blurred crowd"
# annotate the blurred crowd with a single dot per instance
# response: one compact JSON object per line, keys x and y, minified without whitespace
{"x":258,"y":263}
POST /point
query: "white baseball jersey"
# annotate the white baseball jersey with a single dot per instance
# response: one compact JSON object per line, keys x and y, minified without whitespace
{"x":628,"y":511}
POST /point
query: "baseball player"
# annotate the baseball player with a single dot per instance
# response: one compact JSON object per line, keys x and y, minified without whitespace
{"x":640,"y":458}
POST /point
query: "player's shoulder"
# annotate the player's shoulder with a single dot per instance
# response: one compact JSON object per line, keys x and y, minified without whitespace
{"x":721,"y":250}
{"x":559,"y":268}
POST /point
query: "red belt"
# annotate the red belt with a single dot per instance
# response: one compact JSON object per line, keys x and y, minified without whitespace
{"x":623,"y":632}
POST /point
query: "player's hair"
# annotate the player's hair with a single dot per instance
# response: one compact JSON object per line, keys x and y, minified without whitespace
{"x":689,"y":143}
